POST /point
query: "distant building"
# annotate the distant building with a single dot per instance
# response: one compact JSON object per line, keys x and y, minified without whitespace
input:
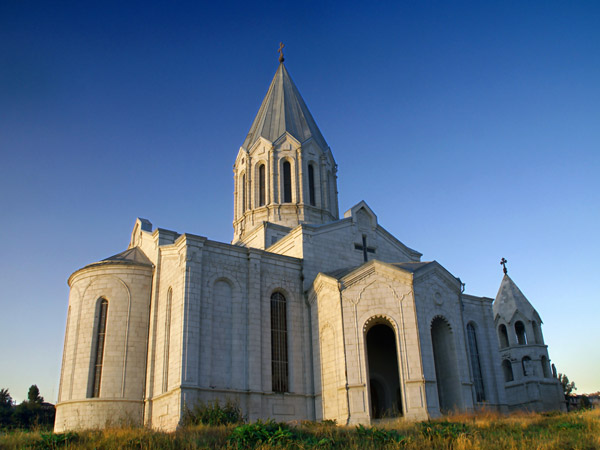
{"x":305,"y":315}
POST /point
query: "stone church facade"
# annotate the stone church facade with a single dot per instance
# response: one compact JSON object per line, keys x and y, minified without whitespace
{"x":304,"y":316}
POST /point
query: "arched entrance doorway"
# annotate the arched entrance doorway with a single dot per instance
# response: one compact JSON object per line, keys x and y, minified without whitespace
{"x":446,"y":368}
{"x":384,"y":380}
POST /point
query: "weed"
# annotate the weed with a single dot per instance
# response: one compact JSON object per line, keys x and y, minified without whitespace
{"x":53,"y":441}
{"x":379,"y":436}
{"x":251,"y":435}
{"x":213,"y":414}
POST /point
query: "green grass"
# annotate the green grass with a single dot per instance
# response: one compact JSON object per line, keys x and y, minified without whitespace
{"x":576,"y":430}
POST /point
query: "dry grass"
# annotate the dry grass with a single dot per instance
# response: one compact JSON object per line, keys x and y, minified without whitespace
{"x":483,"y":430}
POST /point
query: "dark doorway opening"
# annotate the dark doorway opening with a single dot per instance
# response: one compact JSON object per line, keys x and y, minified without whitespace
{"x":384,"y":380}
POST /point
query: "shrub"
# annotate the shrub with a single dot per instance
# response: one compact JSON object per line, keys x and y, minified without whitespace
{"x":213,"y":414}
{"x":52,"y":441}
{"x":380,"y":436}
{"x":269,"y":432}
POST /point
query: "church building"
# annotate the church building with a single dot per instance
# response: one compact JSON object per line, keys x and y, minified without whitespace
{"x":305,"y":315}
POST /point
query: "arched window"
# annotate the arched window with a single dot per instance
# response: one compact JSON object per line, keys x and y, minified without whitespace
{"x":545,"y":367}
{"x":99,"y":354}
{"x":279,"y":350}
{"x":261,"y":185}
{"x":475,"y":363}
{"x":244,"y":193}
{"x":507,"y":370}
{"x":165,"y":385}
{"x":520,"y":331}
{"x":527,"y":368}
{"x":311,"y":185}
{"x":503,"y":336}
{"x":287,"y":182}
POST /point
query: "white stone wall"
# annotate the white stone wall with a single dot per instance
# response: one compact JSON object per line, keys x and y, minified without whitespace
{"x":332,"y":246}
{"x":127,"y":290}
{"x":272,"y":155}
{"x":375,"y":293}
{"x":531,"y":388}
{"x":222,"y":346}
{"x":478,"y":310}
{"x":437,"y":295}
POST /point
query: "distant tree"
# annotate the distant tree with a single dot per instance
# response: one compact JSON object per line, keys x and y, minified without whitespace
{"x":33,"y":396}
{"x":567,"y":386}
{"x":33,"y":412}
{"x":6,"y":408}
{"x":5,"y":398}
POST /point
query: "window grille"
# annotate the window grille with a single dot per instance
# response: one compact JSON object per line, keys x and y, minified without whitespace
{"x":279,"y":350}
{"x":475,"y":363}
{"x":99,"y":355}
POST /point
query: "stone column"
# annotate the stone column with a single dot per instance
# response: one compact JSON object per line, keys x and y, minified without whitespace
{"x":324,"y":187}
{"x":254,"y":317}
{"x":249,"y":183}
{"x":272,"y":177}
{"x":299,"y":177}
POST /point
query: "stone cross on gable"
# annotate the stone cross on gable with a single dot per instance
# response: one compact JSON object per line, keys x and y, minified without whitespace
{"x":365,"y":249}
{"x":503,"y":263}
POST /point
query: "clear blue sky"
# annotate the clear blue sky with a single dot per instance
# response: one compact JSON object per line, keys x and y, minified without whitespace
{"x":471,"y":129}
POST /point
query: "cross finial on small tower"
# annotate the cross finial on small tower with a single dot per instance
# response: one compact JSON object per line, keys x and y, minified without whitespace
{"x":503,"y":263}
{"x":280,"y":51}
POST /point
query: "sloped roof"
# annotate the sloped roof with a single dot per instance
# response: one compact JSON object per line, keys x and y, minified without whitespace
{"x":283,"y":109}
{"x":411,"y":267}
{"x":510,"y":299}
{"x":132,"y":256}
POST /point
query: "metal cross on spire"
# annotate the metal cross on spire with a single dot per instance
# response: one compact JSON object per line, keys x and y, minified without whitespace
{"x":280,"y":51}
{"x":503,"y":263}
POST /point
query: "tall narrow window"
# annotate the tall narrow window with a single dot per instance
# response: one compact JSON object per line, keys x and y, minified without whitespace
{"x":475,"y":363}
{"x":100,"y":338}
{"x":243,"y":193}
{"x":311,"y":185}
{"x":507,"y":370}
{"x":287,"y":182}
{"x":527,"y":368}
{"x":279,"y":351}
{"x":261,"y":185}
{"x":503,"y":336}
{"x":165,"y":385}
{"x":521,"y":335}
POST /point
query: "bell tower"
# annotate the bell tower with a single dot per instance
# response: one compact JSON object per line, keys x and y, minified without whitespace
{"x":284,"y":172}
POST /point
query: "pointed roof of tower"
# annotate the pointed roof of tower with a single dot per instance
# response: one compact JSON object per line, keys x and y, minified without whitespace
{"x":283,"y":109}
{"x":510,"y":299}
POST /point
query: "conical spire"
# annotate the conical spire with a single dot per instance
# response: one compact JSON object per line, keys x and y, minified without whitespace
{"x":283,"y":110}
{"x":510,"y":299}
